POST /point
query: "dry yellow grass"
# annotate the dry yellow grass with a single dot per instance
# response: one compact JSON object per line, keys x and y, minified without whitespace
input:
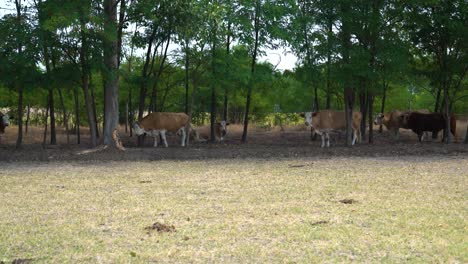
{"x":237,"y":211}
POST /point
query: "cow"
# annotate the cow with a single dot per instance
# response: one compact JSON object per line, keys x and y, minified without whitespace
{"x":158,"y":123}
{"x":433,"y":122}
{"x":393,"y":121}
{"x":4,"y":122}
{"x":204,"y":132}
{"x":324,"y":122}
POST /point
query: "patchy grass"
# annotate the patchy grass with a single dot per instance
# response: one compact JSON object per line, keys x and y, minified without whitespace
{"x":287,"y":210}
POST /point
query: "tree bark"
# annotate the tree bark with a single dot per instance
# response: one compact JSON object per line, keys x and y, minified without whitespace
{"x":19,"y":84}
{"x":85,"y":84}
{"x":65,"y":116}
{"x":186,"y":76}
{"x":45,"y":125}
{"x":252,"y":73}
{"x":384,"y":97}
{"x":77,"y":117}
{"x":152,"y":106}
{"x":144,"y":83}
{"x":466,"y":135}
{"x":370,"y":103}
{"x":111,"y":77}
{"x":228,"y":53}
{"x":53,"y":133}
{"x":348,"y":90}
{"x":28,"y":113}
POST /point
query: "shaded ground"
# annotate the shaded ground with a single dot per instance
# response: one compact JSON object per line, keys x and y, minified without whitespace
{"x":292,"y":142}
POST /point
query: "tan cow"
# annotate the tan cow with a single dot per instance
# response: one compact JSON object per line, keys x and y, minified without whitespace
{"x":324,"y":122}
{"x":393,"y":121}
{"x":158,"y":123}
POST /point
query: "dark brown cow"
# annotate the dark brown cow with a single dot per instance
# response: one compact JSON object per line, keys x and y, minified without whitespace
{"x":434,"y":122}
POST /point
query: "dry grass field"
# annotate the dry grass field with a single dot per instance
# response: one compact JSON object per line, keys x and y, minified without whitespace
{"x":281,"y":210}
{"x":278,"y":198}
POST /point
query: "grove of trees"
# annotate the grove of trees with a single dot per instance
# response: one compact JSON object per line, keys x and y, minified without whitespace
{"x":101,"y":63}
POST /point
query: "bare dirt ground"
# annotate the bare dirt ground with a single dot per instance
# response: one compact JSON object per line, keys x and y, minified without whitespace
{"x":291,"y":142}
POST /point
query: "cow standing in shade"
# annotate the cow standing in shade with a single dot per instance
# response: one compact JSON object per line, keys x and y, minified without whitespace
{"x":158,"y":123}
{"x":393,"y":121}
{"x":434,"y":122}
{"x":4,"y":122}
{"x":324,"y":122}
{"x":204,"y":132}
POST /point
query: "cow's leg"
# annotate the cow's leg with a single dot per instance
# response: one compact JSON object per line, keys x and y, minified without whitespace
{"x":163,"y":136}
{"x":327,"y":135}
{"x":420,"y":135}
{"x":322,"y":136}
{"x":155,"y":139}
{"x":356,"y":136}
{"x":184,"y":135}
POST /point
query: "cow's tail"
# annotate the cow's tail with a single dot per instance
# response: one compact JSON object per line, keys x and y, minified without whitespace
{"x":453,"y":125}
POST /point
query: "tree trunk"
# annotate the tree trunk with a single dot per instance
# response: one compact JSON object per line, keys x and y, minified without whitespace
{"x":111,"y":77}
{"x":53,"y":133}
{"x":437,"y":100}
{"x":28,"y":113}
{"x":370,"y":103}
{"x":85,"y":85}
{"x":228,"y":53}
{"x":152,"y":106}
{"x":45,"y":125}
{"x":144,"y":84}
{"x":213,"y":84}
{"x":19,"y":84}
{"x":65,"y":116}
{"x":384,"y":97}
{"x":466,"y":135}
{"x":77,"y":117}
{"x":363,"y":104}
{"x":186,"y":77}
{"x":252,"y":73}
{"x":93,"y":104}
{"x":19,"y":140}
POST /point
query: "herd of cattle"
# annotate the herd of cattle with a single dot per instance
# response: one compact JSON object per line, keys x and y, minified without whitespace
{"x":157,"y":124}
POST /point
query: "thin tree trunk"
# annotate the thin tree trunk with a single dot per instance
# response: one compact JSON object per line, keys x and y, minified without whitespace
{"x":384,"y":97}
{"x":437,"y":100}
{"x":45,"y":125}
{"x":85,"y":72}
{"x":65,"y":117}
{"x":363,"y":104}
{"x":27,"y":118}
{"x":466,"y":135}
{"x":19,"y":85}
{"x":152,"y":106}
{"x":186,"y":77}
{"x":228,"y":53}
{"x":77,"y":117}
{"x":144,"y":84}
{"x":93,"y":104}
{"x":370,"y":103}
{"x":252,"y":73}
{"x":111,"y":77}
{"x":213,"y":85}
{"x":53,"y":133}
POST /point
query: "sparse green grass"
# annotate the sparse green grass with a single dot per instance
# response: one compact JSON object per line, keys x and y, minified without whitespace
{"x":406,"y":210}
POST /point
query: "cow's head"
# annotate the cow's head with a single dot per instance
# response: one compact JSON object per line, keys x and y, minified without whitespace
{"x":379,"y":119}
{"x":137,"y":129}
{"x":308,"y":118}
{"x":222,"y":126}
{"x":4,"y":122}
